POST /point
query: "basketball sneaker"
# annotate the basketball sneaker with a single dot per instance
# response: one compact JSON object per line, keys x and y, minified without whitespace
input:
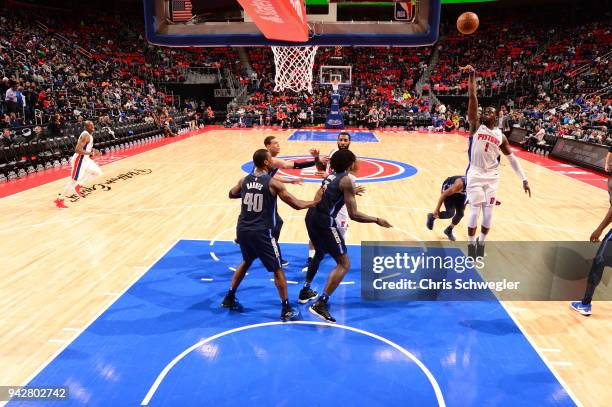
{"x":289,"y":314}
{"x":578,"y":306}
{"x":480,"y":249}
{"x":230,"y":301}
{"x":319,"y":308}
{"x":430,"y":221}
{"x":449,"y":233}
{"x":306,"y":294}
{"x":60,"y":203}
{"x":78,"y":191}
{"x":284,"y":262}
{"x":471,"y":250}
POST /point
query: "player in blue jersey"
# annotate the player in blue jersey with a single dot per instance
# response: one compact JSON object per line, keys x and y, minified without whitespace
{"x":323,"y":230}
{"x":453,"y":198}
{"x":602,"y":259}
{"x":273,"y":146}
{"x":258,"y":192}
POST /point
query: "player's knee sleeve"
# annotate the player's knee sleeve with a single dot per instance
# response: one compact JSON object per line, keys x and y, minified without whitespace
{"x":487,"y":211}
{"x":447,"y":214}
{"x":474,"y":213}
{"x":457,"y":218}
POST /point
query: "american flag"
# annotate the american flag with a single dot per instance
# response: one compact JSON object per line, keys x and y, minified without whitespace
{"x":181,"y":10}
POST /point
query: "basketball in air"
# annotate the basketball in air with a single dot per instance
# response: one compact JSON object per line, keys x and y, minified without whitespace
{"x":467,"y":23}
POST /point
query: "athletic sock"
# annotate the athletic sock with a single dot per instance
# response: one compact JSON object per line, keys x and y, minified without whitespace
{"x":471,"y":239}
{"x":482,"y":238}
{"x":285,"y":303}
{"x":306,"y":284}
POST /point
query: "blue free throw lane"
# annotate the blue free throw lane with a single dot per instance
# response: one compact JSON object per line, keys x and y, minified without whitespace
{"x":315,"y":135}
{"x":473,"y":350}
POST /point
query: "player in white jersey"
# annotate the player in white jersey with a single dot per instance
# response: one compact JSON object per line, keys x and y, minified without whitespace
{"x":342,"y":218}
{"x":83,"y":167}
{"x":485,"y":145}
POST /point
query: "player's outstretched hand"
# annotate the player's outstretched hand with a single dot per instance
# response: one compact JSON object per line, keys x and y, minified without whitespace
{"x":526,"y":188}
{"x":595,"y":235}
{"x":314,"y":152}
{"x":383,"y":222}
{"x":436,"y":213}
{"x":359,"y":190}
{"x":297,"y":181}
{"x":467,"y":69}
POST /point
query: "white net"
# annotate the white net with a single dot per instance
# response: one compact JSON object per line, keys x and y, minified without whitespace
{"x":335,"y":85}
{"x":294,"y":68}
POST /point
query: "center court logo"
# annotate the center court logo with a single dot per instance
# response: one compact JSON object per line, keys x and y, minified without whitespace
{"x":370,"y":170}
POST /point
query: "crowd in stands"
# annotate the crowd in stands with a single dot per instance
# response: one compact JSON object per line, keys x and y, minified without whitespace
{"x":381,"y":87}
{"x":57,"y":69}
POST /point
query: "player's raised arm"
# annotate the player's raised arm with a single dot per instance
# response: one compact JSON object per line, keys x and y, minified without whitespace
{"x":280,"y":190}
{"x":289,"y":164}
{"x":516,"y":166}
{"x":472,"y":98}
{"x":282,"y":164}
{"x":234,"y":193}
{"x":348,"y":188}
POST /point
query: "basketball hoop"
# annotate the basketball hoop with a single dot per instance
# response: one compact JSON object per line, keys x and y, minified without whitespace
{"x":335,"y":85}
{"x":294,"y":68}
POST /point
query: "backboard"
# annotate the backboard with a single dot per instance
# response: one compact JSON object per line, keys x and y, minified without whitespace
{"x":329,"y":22}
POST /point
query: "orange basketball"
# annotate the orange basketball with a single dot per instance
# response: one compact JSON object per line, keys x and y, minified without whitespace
{"x":467,"y":23}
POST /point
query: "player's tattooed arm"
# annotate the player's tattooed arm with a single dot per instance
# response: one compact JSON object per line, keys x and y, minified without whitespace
{"x":279,"y":189}
{"x":234,"y":193}
{"x":472,"y":98}
{"x":348,"y":188}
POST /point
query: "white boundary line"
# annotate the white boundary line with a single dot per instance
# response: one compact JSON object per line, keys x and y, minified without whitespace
{"x":173,"y":362}
{"x":524,"y":333}
{"x":560,"y":363}
{"x":60,"y":350}
{"x":72,"y":329}
{"x":541,"y":355}
{"x":551,"y":350}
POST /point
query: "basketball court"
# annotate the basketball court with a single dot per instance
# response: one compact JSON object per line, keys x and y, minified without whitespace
{"x":118,"y":297}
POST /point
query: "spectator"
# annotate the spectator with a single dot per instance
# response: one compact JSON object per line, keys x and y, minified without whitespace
{"x":11,"y":98}
{"x":7,"y":138}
